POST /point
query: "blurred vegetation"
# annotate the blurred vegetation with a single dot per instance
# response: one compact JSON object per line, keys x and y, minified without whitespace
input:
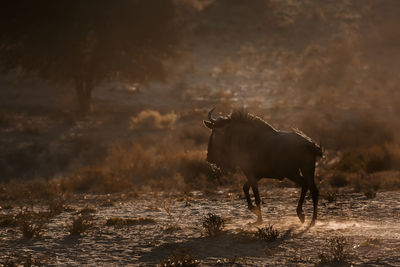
{"x":83,"y":44}
{"x":327,"y":69}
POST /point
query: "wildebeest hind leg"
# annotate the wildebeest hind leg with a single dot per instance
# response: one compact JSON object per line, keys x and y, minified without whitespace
{"x":299,"y":210}
{"x":246,"y":188}
{"x":308,"y":174}
{"x":315,"y":196}
{"x":257,"y":210}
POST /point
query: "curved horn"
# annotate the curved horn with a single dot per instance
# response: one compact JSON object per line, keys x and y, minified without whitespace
{"x":210,"y":116}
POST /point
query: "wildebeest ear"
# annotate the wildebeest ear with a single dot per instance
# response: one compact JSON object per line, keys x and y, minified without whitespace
{"x":209,"y":125}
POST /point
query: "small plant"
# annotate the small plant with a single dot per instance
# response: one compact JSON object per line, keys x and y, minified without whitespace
{"x":16,"y":259}
{"x":56,"y":206}
{"x":30,"y":223}
{"x":213,"y":224}
{"x":338,"y":180}
{"x":235,"y":261}
{"x":30,"y":229}
{"x":267,"y":233}
{"x":80,"y":225}
{"x":370,"y":194}
{"x":171,"y":228}
{"x":331,"y":197}
{"x":335,"y":252}
{"x":87,"y":210}
{"x":8,"y":221}
{"x":179,"y":258}
{"x":117,"y":221}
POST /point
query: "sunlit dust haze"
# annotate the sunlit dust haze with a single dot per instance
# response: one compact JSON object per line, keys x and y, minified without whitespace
{"x":103,"y":149}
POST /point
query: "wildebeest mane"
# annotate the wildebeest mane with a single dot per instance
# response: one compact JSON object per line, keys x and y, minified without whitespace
{"x":242,"y":116}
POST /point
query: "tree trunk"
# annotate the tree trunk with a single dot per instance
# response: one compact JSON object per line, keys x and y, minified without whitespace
{"x":83,"y":89}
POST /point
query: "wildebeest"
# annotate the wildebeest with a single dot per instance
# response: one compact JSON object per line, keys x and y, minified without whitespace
{"x":246,"y":141}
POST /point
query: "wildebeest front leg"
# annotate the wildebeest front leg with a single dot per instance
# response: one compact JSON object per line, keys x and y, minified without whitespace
{"x":299,"y":210}
{"x":315,"y":196}
{"x":246,"y":188}
{"x":257,"y":210}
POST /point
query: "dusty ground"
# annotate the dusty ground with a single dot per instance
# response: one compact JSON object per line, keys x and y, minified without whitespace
{"x":370,"y":226}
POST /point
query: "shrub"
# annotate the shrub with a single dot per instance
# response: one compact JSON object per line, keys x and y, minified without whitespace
{"x":80,"y":225}
{"x":331,"y":196}
{"x":56,"y":206}
{"x":267,"y":233}
{"x":87,"y":210}
{"x":30,"y":223}
{"x":24,"y":259}
{"x":179,"y":258}
{"x":8,"y":221}
{"x":30,"y":229}
{"x":152,"y":119}
{"x":117,"y":221}
{"x":213,"y":224}
{"x":370,"y":159}
{"x":335,"y":252}
{"x":370,"y":194}
{"x":338,"y":179}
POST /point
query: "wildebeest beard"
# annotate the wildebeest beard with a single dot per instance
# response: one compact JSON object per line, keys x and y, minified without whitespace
{"x":221,"y":157}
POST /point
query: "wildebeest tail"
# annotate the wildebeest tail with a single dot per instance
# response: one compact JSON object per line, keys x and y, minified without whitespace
{"x":314,"y":148}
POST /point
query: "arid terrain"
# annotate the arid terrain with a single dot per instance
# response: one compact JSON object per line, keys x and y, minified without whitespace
{"x":128,"y":183}
{"x":164,"y":224}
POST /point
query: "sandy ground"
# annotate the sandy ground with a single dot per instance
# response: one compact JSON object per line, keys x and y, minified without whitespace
{"x":371,"y":228}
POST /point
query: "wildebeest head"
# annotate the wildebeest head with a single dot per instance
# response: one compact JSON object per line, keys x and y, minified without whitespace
{"x":218,"y":144}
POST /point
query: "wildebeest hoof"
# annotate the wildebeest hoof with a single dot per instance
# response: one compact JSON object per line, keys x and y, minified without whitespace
{"x":255,"y":210}
{"x":258,"y":222}
{"x":312,"y":223}
{"x":301,"y":217}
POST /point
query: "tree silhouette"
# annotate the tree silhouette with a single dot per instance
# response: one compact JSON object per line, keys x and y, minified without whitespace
{"x":85,"y":42}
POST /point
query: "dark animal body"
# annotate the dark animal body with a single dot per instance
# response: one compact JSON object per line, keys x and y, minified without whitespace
{"x":260,"y":151}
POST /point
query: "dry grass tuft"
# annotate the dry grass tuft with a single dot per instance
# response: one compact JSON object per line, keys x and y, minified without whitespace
{"x":8,"y":220}
{"x":56,"y":205}
{"x":338,"y":179}
{"x":267,"y":233}
{"x":152,"y":119}
{"x":336,"y":252}
{"x":87,"y":210}
{"x":80,"y":225}
{"x":179,"y":258}
{"x":330,"y":196}
{"x":213,"y":224}
{"x":370,"y":194}
{"x":117,"y":221}
{"x":26,"y":259}
{"x":30,"y":223}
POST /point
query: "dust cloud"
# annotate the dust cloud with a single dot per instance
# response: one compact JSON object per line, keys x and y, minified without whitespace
{"x":329,"y":68}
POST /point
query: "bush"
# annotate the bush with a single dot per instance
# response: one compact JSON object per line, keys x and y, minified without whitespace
{"x":335,"y":252}
{"x":152,"y":119}
{"x":180,"y":258}
{"x":30,"y":223}
{"x":213,"y":224}
{"x":16,"y":259}
{"x":8,"y":221}
{"x":117,"y":221}
{"x":370,"y":159}
{"x":267,"y":233}
{"x":370,"y":194}
{"x":80,"y":225}
{"x":56,"y":205}
{"x":338,"y":179}
{"x":30,"y":229}
{"x":331,"y":196}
